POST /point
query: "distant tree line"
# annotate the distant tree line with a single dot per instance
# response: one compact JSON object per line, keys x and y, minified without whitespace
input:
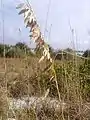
{"x":68,"y":54}
{"x":18,"y":50}
{"x":21,"y":49}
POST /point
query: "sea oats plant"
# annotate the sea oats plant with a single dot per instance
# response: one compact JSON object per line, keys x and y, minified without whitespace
{"x":36,"y":35}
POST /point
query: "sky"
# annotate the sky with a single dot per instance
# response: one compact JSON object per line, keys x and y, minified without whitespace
{"x":62,"y":14}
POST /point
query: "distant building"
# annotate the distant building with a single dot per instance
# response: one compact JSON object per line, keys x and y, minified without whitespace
{"x":79,"y":52}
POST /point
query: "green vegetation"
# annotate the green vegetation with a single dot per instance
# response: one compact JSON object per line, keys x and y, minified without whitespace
{"x":15,"y":51}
